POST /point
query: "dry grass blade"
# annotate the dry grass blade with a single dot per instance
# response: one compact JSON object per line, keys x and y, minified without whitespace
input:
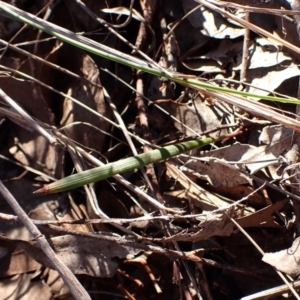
{"x":279,"y":12}
{"x":256,"y":108}
{"x":26,"y":117}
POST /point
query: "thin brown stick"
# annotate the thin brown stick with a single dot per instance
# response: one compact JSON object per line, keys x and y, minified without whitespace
{"x":246,"y":58}
{"x":268,"y":294}
{"x":148,"y":8}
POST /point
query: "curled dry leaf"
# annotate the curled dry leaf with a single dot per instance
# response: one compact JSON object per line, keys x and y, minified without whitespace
{"x":269,"y":65}
{"x":264,"y":55}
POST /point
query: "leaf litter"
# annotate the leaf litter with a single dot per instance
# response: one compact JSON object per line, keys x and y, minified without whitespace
{"x":198,"y":252}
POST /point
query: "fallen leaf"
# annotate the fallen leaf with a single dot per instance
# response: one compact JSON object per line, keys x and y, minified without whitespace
{"x":83,"y":255}
{"x":21,"y":287}
{"x":286,"y":261}
{"x":269,"y":79}
{"x":211,"y":224}
{"x":56,"y":284}
{"x":16,"y":261}
{"x":30,"y":148}
{"x":202,"y":198}
{"x":210,"y":22}
{"x":217,"y":173}
{"x":262,"y":217}
{"x":198,"y":116}
{"x":85,"y":132}
{"x":262,"y":54}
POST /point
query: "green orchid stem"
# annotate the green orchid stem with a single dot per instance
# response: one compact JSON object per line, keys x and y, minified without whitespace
{"x":123,"y":165}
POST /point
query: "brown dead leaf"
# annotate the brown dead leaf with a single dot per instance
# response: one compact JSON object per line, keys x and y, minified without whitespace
{"x":83,"y":255}
{"x":21,"y":287}
{"x":91,"y":96}
{"x":197,"y":115}
{"x":271,"y":135}
{"x":263,"y":217}
{"x":56,"y":284}
{"x":31,"y":148}
{"x":275,"y":141}
{"x":217,"y":173}
{"x":203,"y":198}
{"x":15,"y":260}
{"x":202,"y":41}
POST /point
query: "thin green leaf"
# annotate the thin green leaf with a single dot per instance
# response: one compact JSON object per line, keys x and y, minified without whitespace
{"x":122,"y":58}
